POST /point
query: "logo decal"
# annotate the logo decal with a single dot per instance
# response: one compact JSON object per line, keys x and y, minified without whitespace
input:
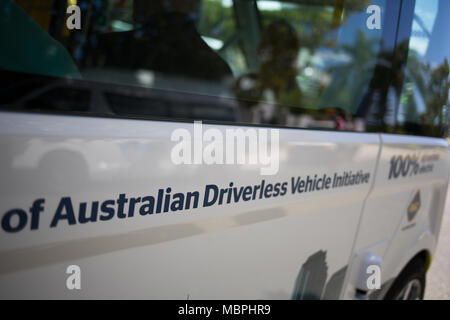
{"x":414,"y":207}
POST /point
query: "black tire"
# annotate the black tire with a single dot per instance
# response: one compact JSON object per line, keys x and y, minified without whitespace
{"x":410,"y":285}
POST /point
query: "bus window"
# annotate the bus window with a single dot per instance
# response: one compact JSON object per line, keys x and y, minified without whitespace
{"x":315,"y":62}
{"x":424,"y":103}
{"x":26,"y":47}
{"x":294,"y":63}
{"x":219,"y":29}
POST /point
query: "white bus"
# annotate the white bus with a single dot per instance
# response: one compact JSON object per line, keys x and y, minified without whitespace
{"x":113,"y":183}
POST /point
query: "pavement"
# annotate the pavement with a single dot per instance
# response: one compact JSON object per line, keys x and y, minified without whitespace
{"x":438,"y":277}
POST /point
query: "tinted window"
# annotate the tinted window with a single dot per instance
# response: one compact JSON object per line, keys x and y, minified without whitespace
{"x":296,"y":63}
{"x":424,"y":102}
{"x":60,"y":99}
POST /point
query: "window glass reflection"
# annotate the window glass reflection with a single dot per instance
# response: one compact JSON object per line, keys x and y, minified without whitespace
{"x":297,"y":63}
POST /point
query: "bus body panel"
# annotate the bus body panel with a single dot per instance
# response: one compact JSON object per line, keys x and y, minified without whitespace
{"x":246,"y":249}
{"x":406,"y":205}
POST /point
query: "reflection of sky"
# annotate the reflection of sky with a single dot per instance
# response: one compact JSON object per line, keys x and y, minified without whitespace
{"x":439,"y":46}
{"x":347,"y":34}
{"x":426,"y":10}
{"x":268,"y":5}
{"x":227,"y":3}
{"x":357,"y":22}
{"x":429,"y":41}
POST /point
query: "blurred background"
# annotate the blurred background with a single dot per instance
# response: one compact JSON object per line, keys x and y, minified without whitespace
{"x":438,"y":277}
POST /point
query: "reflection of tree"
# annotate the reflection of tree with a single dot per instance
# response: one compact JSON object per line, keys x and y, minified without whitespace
{"x":350,"y":79}
{"x":376,"y":106}
{"x":433,"y":85}
{"x":313,"y":22}
{"x":217,"y":20}
{"x":421,"y":89}
{"x":314,"y":26}
{"x":436,"y":97}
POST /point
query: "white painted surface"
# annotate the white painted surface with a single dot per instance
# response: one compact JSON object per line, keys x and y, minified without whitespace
{"x":248,"y":250}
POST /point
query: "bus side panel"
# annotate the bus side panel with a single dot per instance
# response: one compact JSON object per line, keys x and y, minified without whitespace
{"x":403,"y":213}
{"x":295,"y":245}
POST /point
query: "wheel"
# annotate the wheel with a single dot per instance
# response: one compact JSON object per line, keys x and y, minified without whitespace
{"x":410,"y":285}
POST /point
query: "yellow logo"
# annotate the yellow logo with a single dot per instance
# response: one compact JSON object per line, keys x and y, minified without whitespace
{"x":414,"y":207}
